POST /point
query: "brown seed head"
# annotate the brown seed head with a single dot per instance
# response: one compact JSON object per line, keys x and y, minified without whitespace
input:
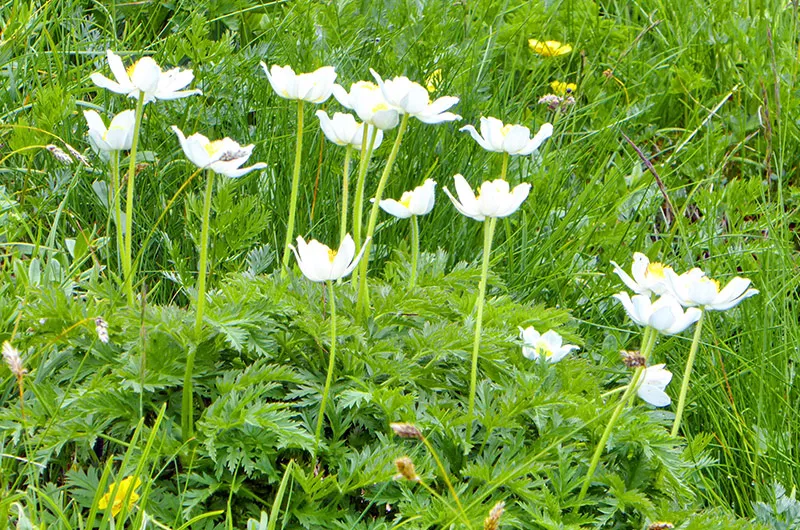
{"x":405,"y":469}
{"x":632,"y":359}
{"x":406,"y":430}
{"x":608,"y":73}
{"x":493,"y":521}
{"x":661,"y":526}
{"x":58,"y":154}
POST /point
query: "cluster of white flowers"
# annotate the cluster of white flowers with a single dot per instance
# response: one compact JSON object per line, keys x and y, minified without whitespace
{"x":379,"y":106}
{"x":679,"y":303}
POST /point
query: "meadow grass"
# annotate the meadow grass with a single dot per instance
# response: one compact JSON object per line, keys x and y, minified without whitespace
{"x":705,"y":92}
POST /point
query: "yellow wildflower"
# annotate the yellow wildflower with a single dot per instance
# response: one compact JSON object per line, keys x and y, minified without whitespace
{"x":433,"y":80}
{"x":550,"y":48}
{"x":562,"y":89}
{"x":128,"y":484}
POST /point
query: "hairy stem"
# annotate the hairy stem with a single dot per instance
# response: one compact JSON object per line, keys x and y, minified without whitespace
{"x":127,"y":268}
{"x":298,"y":153}
{"x":331,"y":365}
{"x":488,"y":234}
{"x":687,"y":374}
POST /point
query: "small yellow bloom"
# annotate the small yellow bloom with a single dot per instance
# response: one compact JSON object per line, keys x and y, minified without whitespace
{"x":562,"y":89}
{"x":550,"y":48}
{"x":433,"y":80}
{"x":128,"y":484}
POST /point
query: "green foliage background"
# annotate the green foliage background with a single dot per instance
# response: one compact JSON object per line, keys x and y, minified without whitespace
{"x":707,"y":92}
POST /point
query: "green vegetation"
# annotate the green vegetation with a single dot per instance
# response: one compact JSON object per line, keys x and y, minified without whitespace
{"x":682,"y":144}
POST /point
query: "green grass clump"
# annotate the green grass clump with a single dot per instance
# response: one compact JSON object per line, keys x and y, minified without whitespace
{"x":705,"y":93}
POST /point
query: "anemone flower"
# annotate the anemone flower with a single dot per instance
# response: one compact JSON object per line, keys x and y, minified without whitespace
{"x":145,"y":77}
{"x":117,"y":137}
{"x":653,"y":383}
{"x":694,"y":288}
{"x":548,"y":345}
{"x":314,"y":87}
{"x":512,"y":139}
{"x":412,"y":98}
{"x":495,"y":198}
{"x":343,"y":130}
{"x":647,"y":277}
{"x":665,"y":315}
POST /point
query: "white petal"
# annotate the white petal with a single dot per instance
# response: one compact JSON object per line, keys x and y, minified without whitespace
{"x":477,"y":137}
{"x":516,"y":139}
{"x":394,"y":208}
{"x":545,"y":132}
{"x":104,"y":82}
{"x":654,"y":395}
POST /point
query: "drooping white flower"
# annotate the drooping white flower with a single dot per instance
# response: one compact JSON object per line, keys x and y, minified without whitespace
{"x":665,"y":315}
{"x":319,"y":263}
{"x":221,"y":156}
{"x":314,"y":87}
{"x":412,"y":98}
{"x":117,"y":137}
{"x":511,"y":139}
{"x":343,"y":129}
{"x":418,"y":201}
{"x":694,"y":288}
{"x":647,"y":277}
{"x":495,"y":198}
{"x":654,"y":381}
{"x":548,"y":345}
{"x":145,"y":76}
{"x":366,"y":99}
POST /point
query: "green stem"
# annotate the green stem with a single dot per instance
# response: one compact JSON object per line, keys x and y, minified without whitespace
{"x":363,"y":165}
{"x":647,"y":346}
{"x":117,"y":204}
{"x":687,"y":374}
{"x":345,"y":192}
{"x":331,"y":364}
{"x":187,"y":413}
{"x":414,"y":251}
{"x":488,"y":234}
{"x":445,"y":476}
{"x":504,"y":169}
{"x":126,"y":261}
{"x":298,"y":153}
{"x":363,"y":294}
{"x":507,"y":221}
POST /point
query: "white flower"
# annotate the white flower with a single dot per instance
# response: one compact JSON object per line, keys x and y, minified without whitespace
{"x":314,"y":87}
{"x":366,"y":99}
{"x":145,"y":76}
{"x":412,"y":98}
{"x":343,"y":129}
{"x":549,"y":345}
{"x":494,"y":199}
{"x":221,"y":156}
{"x":665,"y":315}
{"x":118,"y":136}
{"x":418,"y":201}
{"x":694,"y":288}
{"x":647,"y":277}
{"x":654,"y":381}
{"x":511,"y":139}
{"x":319,"y":263}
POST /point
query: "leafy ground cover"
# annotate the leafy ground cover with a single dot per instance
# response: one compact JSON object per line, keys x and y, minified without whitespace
{"x":681,"y":143}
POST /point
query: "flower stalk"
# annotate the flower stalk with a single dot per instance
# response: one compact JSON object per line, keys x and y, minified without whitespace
{"x":363,"y":165}
{"x":187,"y":413}
{"x":331,"y":366}
{"x":345,"y":191}
{"x":117,"y":204}
{"x":298,"y":153}
{"x":648,"y":342}
{"x":412,"y":282}
{"x":127,"y":268}
{"x":687,"y":374}
{"x":363,"y":294}
{"x":488,"y":235}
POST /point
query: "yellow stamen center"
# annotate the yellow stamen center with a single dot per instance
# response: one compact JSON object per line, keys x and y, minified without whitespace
{"x":332,"y":254}
{"x":706,"y":279}
{"x":379,"y":107}
{"x":655,"y":269}
{"x":405,"y":200}
{"x":212,"y":148}
{"x":506,"y":129}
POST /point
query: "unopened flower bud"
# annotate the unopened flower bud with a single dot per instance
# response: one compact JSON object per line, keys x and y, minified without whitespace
{"x":59,"y":154}
{"x":101,"y":326}
{"x":633,"y":359}
{"x":493,"y":521}
{"x":405,"y":469}
{"x":406,"y":430}
{"x":13,"y":360}
{"x":661,"y":526}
